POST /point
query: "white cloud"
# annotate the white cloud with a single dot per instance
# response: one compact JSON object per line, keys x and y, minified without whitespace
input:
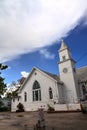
{"x":24,"y":74}
{"x":28,"y":25}
{"x":47,"y":54}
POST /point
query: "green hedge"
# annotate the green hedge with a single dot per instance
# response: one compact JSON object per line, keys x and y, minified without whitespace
{"x":4,"y":109}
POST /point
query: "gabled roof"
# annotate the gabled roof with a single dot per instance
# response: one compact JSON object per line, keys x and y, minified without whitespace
{"x":50,"y":75}
{"x":27,"y":79}
{"x":82,"y":74}
{"x":54,"y":76}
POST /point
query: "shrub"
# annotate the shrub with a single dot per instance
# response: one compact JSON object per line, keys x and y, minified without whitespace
{"x":20,"y":108}
{"x":50,"y":109}
{"x":4,"y":109}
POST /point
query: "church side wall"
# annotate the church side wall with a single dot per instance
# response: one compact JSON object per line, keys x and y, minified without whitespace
{"x":14,"y":103}
{"x":81,"y":91}
{"x":61,"y":90}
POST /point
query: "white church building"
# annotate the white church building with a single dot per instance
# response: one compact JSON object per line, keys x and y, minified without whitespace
{"x":62,"y":92}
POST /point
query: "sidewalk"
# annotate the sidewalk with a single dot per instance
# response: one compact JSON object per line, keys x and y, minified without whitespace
{"x":54,"y":121}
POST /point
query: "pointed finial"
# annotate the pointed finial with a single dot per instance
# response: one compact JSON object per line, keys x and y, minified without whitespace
{"x":62,"y":40}
{"x":63,"y":45}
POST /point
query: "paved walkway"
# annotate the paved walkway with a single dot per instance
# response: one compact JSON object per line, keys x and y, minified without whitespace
{"x":54,"y":121}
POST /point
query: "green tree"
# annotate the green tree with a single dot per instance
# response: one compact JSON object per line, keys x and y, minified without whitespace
{"x":2,"y":84}
{"x":12,"y":93}
{"x":1,"y":103}
{"x":8,"y":95}
{"x":17,"y":85}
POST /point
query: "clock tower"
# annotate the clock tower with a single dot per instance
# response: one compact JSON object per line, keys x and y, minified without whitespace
{"x":68,"y":75}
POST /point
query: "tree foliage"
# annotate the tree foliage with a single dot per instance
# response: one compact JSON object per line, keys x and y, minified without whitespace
{"x":2,"y":84}
{"x":17,"y":85}
{"x":12,"y":94}
{"x":2,"y":67}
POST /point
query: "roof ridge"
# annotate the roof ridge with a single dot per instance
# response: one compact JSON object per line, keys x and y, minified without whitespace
{"x":82,"y":67}
{"x":46,"y":71}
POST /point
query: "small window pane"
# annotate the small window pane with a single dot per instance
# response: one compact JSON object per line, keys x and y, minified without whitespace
{"x":50,"y":93}
{"x":25,"y":96}
{"x":13,"y":100}
{"x":64,"y":58}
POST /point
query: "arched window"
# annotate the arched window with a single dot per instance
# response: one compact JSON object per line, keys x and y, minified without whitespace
{"x":50,"y":93}
{"x":36,"y":91}
{"x":25,"y":96}
{"x":84,"y":89}
{"x":13,"y":99}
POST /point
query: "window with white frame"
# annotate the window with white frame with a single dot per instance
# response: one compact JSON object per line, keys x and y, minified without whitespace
{"x":25,"y":96}
{"x":36,"y":91}
{"x":50,"y":93}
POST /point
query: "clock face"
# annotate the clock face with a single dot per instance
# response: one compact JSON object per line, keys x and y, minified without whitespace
{"x":65,"y":70}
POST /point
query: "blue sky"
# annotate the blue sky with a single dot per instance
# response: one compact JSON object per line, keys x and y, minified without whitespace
{"x":31,"y":33}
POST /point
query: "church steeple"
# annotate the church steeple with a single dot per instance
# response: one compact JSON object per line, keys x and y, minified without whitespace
{"x":64,"y":52}
{"x":68,"y":73}
{"x":63,"y":46}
